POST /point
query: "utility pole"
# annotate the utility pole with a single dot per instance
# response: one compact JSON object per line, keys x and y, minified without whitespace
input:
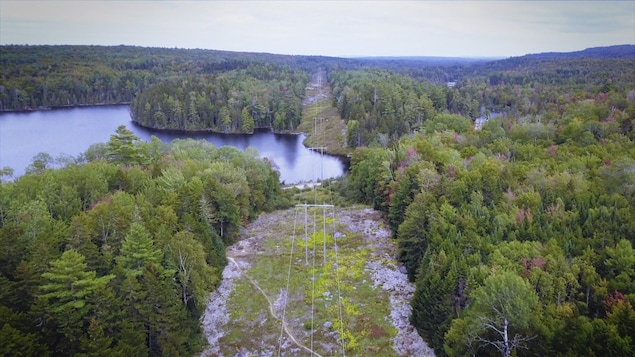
{"x":306,"y":234}
{"x":324,"y":230}
{"x":322,"y":149}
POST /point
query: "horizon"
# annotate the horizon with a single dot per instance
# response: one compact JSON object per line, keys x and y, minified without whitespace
{"x":345,"y":29}
{"x":359,"y":57}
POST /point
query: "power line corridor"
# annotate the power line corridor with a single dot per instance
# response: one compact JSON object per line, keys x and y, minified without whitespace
{"x":310,"y":241}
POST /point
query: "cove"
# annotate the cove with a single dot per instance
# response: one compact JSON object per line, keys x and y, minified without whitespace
{"x":70,"y":131}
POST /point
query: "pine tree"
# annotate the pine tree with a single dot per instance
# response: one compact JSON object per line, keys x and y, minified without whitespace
{"x":248,"y":123}
{"x":432,"y":304}
{"x":96,"y":343}
{"x":124,"y":148}
{"x":414,"y":233}
{"x":68,"y":294}
{"x":138,"y":251}
{"x":15,"y":343}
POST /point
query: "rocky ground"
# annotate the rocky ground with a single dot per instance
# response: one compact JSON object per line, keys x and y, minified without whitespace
{"x":380,"y":267}
{"x":317,"y":88}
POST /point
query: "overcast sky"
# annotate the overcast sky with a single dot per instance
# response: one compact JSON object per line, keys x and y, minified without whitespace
{"x":332,"y":28}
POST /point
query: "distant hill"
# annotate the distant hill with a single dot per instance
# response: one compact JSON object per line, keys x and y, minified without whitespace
{"x":564,"y":65}
{"x":427,"y":60}
{"x":582,"y":67}
{"x":618,"y":51}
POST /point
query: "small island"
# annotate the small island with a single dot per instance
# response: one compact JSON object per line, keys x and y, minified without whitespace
{"x":236,"y":101}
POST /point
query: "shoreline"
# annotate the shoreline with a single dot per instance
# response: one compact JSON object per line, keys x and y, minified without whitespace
{"x":344,"y":157}
{"x":57,"y":107}
{"x":214,"y":131}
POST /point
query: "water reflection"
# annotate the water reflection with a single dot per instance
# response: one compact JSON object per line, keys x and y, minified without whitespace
{"x":72,"y":131}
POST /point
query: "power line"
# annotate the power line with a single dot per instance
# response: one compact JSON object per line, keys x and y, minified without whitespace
{"x":339,"y":292}
{"x":306,"y":236}
{"x":324,"y":231}
{"x":313,"y":284}
{"x":286,"y":298}
{"x":335,"y":246}
{"x":321,"y":149}
{"x":306,"y":205}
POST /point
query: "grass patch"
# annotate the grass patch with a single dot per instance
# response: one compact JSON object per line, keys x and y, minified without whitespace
{"x":320,"y":194}
{"x":330,"y":127}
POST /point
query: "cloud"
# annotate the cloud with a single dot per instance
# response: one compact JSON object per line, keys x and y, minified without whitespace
{"x":578,"y":17}
{"x":451,"y":28}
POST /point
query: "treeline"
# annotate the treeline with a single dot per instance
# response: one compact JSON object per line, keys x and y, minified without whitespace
{"x":374,"y":102}
{"x":116,"y":256}
{"x":519,"y":236}
{"x":259,"y":96}
{"x":590,"y":67}
{"x":388,"y":104}
{"x":535,"y":86}
{"x":35,"y":77}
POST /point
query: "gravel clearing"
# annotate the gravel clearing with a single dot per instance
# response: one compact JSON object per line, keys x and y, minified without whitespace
{"x":381,"y":267}
{"x":216,"y":314}
{"x":385,"y":274}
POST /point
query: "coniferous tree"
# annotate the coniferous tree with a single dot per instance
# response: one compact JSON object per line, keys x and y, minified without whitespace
{"x":248,"y":123}
{"x":123,"y":148}
{"x":68,"y":295}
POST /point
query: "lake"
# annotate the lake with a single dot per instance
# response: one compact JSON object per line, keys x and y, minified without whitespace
{"x":70,"y":131}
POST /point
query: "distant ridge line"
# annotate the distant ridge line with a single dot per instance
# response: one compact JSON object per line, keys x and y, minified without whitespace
{"x":616,"y":51}
{"x":613,"y":51}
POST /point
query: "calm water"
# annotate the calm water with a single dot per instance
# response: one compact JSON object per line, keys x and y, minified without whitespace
{"x":71,"y":131}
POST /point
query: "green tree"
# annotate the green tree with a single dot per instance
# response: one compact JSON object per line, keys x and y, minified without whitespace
{"x":444,"y":121}
{"x":68,"y":294}
{"x":278,"y":121}
{"x":124,"y":148}
{"x":196,"y":278}
{"x":138,"y":250}
{"x":414,"y":233}
{"x":149,"y":294}
{"x":621,"y":266}
{"x":108,"y":223}
{"x":96,"y":343}
{"x":225,"y":118}
{"x":367,"y":175}
{"x":353,"y":134}
{"x":432,"y":302}
{"x":248,"y":123}
{"x":41,"y":162}
{"x":18,"y":344}
{"x":500,"y":315}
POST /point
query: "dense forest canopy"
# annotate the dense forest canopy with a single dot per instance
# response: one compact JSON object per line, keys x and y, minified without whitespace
{"x":117,"y":255}
{"x":518,"y":232}
{"x":34,"y":77}
{"x":519,"y":236}
{"x":240,"y":100}
{"x":374,"y":102}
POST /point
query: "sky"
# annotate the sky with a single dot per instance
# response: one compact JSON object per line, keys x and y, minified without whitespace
{"x":327,"y":27}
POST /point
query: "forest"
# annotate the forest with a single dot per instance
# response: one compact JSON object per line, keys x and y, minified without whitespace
{"x":115,"y":255}
{"x":41,"y":77}
{"x":518,"y":233}
{"x":519,"y":236}
{"x":239,"y":100}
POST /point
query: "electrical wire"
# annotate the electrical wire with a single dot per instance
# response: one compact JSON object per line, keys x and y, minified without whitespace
{"x":286,"y":298}
{"x":313,"y":282}
{"x":339,"y":292}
